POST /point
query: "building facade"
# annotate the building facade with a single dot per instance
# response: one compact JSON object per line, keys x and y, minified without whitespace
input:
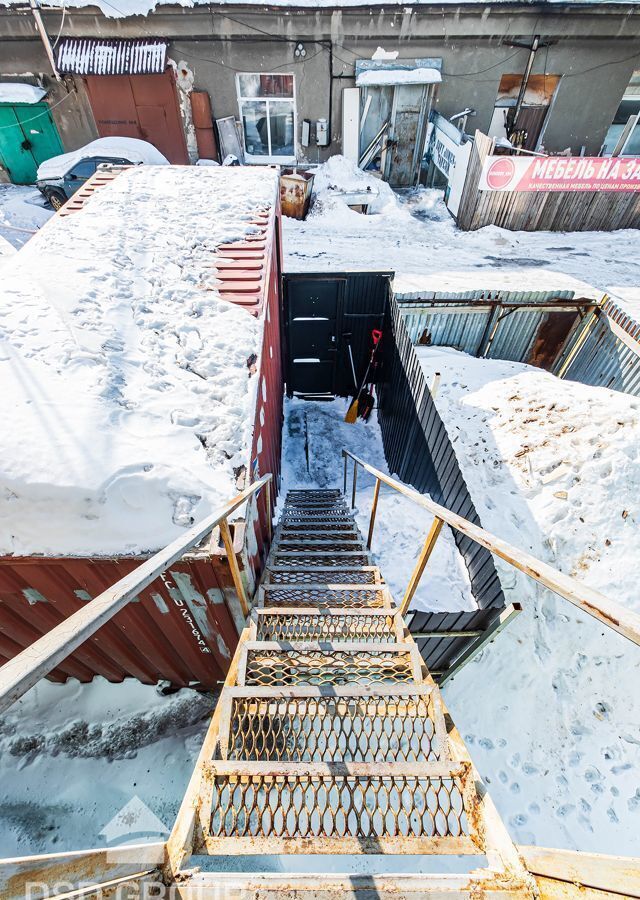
{"x":288,"y":75}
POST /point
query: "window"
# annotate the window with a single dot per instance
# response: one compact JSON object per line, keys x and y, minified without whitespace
{"x":629,"y":106}
{"x":268,"y":115}
{"x":84,"y":169}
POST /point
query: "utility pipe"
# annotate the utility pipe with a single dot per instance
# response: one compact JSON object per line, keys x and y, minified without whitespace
{"x":35,"y":9}
{"x":525,"y":79}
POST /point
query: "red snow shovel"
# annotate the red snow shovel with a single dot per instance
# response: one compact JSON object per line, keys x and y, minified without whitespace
{"x":352,"y":412}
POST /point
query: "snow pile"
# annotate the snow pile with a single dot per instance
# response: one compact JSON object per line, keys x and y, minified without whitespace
{"x":341,"y":176}
{"x":552,"y":467}
{"x":126,"y":380}
{"x":130,"y":149}
{"x":16,"y":92}
{"x":313,"y":439}
{"x":101,"y":745}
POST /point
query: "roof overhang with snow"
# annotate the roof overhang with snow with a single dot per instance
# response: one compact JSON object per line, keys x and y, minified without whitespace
{"x":81,"y":56}
{"x":378,"y":72}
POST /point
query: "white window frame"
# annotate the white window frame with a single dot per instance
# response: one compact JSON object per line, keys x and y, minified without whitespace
{"x":251,"y":158}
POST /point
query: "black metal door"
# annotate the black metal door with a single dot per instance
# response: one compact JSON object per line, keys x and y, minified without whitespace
{"x":327,"y":316}
{"x":313,"y":313}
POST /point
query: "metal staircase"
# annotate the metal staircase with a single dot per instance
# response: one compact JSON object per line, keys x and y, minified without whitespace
{"x":331,"y":737}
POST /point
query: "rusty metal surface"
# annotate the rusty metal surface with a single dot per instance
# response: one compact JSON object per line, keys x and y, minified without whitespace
{"x":92,"y":56}
{"x":180,"y":628}
{"x":295,"y":193}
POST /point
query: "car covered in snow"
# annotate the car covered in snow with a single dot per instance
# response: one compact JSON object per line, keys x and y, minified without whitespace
{"x":61,"y":176}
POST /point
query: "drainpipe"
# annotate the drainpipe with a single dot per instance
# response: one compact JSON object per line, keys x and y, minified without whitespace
{"x":35,"y":9}
{"x":525,"y":79}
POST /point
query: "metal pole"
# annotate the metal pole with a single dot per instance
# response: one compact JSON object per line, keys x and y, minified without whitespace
{"x":355,"y":481}
{"x":525,"y":79}
{"x":344,"y":489}
{"x":233,"y":565}
{"x":423,"y":559}
{"x":267,"y":503}
{"x":374,"y":509}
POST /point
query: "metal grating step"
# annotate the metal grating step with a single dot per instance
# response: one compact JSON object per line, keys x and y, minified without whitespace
{"x":280,"y":664}
{"x":322,"y":724}
{"x":313,"y":528}
{"x":322,"y":596}
{"x":302,"y":545}
{"x":268,"y":807}
{"x":302,"y":560}
{"x":348,"y":573}
{"x":326,"y":625}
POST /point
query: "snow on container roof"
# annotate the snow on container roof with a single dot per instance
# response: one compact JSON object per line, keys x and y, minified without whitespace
{"x":127,"y":398}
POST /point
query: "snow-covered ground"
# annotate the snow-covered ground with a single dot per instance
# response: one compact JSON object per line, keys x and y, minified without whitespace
{"x":314,"y":437}
{"x":550,"y":711}
{"x":72,"y":756}
{"x":22,"y":214}
{"x":127,"y":380}
{"x":413,"y":233}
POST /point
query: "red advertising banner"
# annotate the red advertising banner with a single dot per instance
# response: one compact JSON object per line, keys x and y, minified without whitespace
{"x":560,"y":173}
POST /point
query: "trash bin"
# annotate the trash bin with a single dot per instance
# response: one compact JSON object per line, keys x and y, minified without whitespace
{"x":295,"y":193}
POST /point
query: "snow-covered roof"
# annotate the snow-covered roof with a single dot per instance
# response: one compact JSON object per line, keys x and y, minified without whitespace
{"x":398,"y":76}
{"x":131,"y":149}
{"x":127,"y":397}
{"x":425,"y":285}
{"x":123,"y":8}
{"x":17,"y":92}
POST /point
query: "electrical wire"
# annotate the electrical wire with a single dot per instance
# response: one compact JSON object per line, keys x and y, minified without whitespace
{"x":64,"y":14}
{"x":39,"y":116}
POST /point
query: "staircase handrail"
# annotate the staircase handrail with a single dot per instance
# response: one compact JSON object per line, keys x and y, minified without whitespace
{"x":39,"y":658}
{"x":612,"y":614}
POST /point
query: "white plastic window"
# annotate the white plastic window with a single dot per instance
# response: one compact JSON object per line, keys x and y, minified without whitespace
{"x":268,"y":115}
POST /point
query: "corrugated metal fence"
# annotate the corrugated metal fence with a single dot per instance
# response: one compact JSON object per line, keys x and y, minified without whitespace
{"x":541,"y":210}
{"x":575,"y":338}
{"x":418,"y":449}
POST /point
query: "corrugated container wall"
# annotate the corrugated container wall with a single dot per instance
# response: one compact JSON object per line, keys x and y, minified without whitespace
{"x":184,"y":627}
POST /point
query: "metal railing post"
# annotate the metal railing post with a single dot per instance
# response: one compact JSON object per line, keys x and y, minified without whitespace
{"x":355,"y":481}
{"x":233,"y":565}
{"x":267,"y":502}
{"x":374,"y":509}
{"x":344,"y":489}
{"x":423,"y":559}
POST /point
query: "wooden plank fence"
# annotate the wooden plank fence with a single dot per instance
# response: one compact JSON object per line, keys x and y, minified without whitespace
{"x":541,"y":210}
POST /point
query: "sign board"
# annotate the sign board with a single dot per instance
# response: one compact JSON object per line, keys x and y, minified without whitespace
{"x":560,"y":173}
{"x":450,"y":156}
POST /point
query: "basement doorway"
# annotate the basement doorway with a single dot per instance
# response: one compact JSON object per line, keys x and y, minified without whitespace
{"x":328,"y":320}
